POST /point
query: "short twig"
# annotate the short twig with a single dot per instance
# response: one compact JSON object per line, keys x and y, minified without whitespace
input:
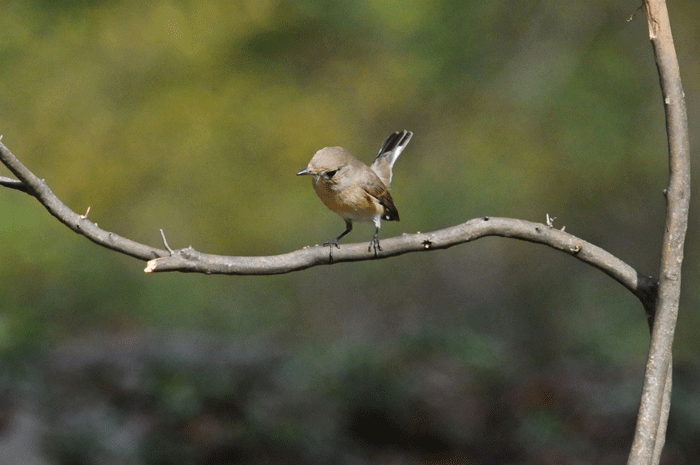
{"x":165,"y":242}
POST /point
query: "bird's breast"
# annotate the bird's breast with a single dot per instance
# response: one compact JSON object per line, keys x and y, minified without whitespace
{"x":350,"y":202}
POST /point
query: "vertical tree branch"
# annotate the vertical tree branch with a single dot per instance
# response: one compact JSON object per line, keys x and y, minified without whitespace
{"x":655,"y":403}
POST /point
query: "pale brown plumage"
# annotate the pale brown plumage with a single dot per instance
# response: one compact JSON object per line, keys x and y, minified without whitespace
{"x":354,"y":190}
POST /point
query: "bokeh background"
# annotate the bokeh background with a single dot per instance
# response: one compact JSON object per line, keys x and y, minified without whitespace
{"x":194,"y":116}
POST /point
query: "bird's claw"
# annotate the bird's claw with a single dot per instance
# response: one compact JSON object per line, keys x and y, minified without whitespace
{"x":374,"y":245}
{"x":331,"y":244}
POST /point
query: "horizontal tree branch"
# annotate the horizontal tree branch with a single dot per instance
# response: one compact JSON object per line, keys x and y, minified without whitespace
{"x":189,"y":260}
{"x":36,"y":187}
{"x":13,"y":184}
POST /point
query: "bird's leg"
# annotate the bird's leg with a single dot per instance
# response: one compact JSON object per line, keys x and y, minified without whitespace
{"x":334,"y":242}
{"x":375,"y":242}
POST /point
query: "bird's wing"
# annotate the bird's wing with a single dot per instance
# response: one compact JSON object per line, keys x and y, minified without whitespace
{"x":378,"y":191}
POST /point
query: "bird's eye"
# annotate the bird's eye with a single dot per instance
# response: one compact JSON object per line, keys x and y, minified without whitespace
{"x":330,"y":174}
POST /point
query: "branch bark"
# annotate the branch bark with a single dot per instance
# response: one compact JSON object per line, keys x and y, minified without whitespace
{"x":655,"y":403}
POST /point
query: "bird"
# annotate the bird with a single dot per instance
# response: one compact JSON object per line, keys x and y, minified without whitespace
{"x":355,"y":191}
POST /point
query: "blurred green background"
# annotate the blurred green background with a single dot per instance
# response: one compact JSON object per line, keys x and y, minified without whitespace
{"x":194,"y":117}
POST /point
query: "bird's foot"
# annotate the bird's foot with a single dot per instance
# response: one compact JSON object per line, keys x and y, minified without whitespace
{"x":332,"y":243}
{"x":374,"y":245}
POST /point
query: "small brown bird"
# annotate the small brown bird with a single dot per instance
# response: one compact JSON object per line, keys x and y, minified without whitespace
{"x":355,"y":191}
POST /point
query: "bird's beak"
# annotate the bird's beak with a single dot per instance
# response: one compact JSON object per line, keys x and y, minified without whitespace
{"x":304,"y":171}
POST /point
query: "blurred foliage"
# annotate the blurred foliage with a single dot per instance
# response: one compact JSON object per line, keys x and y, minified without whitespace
{"x":184,"y":398}
{"x":195,"y":116}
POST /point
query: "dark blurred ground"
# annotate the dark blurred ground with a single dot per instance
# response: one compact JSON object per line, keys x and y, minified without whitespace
{"x":186,"y":398}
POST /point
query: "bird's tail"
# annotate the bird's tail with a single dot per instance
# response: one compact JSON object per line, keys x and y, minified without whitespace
{"x":390,"y":151}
